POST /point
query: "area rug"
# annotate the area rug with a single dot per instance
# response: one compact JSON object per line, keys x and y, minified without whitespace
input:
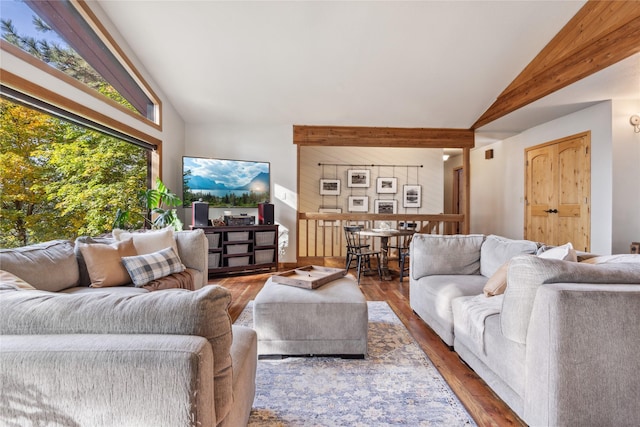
{"x":396,"y":384}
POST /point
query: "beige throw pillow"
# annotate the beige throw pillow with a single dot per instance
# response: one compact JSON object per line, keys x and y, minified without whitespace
{"x":497,"y":283}
{"x":104,"y":262}
{"x":148,"y":242}
{"x":10,"y":280}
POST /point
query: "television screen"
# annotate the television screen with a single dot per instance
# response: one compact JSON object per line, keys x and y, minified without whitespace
{"x":225,"y":183}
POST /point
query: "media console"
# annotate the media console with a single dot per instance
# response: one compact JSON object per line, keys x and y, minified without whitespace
{"x":241,"y":248}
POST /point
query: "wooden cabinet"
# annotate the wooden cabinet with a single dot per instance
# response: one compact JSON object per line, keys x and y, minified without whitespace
{"x":242,"y":248}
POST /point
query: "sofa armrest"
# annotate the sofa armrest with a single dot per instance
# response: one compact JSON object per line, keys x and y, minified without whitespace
{"x":528,"y":273}
{"x":582,"y":355}
{"x":177,"y":312}
{"x":193,"y":250}
{"x":113,"y":380}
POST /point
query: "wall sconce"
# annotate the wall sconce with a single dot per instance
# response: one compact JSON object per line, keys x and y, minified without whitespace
{"x":635,"y":122}
{"x":445,"y":157}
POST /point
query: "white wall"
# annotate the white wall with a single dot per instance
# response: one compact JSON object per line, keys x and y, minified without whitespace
{"x":497,"y":185}
{"x":272,"y":144}
{"x":626,"y":177}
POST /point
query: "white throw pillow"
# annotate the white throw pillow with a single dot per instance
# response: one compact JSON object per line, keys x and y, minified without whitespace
{"x":564,"y":253}
{"x":149,"y":241}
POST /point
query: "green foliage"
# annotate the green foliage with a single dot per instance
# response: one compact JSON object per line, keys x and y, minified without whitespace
{"x":160,"y":201}
{"x":59,"y":180}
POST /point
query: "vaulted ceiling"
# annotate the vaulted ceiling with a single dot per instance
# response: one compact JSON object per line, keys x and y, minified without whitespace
{"x":431,"y":64}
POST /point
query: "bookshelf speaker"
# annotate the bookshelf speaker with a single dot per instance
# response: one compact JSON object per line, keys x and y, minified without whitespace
{"x":265,"y":214}
{"x":200,"y":214}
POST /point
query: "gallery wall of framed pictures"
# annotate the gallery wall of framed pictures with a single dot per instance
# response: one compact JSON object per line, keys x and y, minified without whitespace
{"x":373,"y":180}
{"x":386,"y":191}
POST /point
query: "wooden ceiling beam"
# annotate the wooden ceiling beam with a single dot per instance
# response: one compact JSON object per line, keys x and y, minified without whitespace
{"x":601,"y":34}
{"x":354,"y":136}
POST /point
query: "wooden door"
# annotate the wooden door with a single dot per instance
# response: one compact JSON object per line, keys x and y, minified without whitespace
{"x":557,"y":191}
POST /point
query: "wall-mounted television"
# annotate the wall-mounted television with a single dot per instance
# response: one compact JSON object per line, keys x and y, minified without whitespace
{"x":225,"y":183}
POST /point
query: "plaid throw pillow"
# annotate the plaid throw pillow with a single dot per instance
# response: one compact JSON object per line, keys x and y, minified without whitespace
{"x":148,"y":267}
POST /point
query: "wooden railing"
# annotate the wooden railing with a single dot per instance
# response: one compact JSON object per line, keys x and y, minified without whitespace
{"x":321,"y":235}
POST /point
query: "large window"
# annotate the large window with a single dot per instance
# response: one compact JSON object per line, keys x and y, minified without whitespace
{"x":57,"y":33}
{"x":67,"y":168}
{"x":61,"y":180}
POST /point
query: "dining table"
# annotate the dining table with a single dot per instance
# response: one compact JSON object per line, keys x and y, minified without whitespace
{"x":384,"y":234}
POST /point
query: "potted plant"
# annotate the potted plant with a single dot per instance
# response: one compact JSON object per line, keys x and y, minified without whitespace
{"x":160,"y":202}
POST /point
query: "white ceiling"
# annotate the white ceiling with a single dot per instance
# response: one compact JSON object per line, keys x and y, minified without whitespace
{"x":359,"y":63}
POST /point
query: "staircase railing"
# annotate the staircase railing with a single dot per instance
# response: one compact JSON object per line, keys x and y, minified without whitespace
{"x":321,"y":236}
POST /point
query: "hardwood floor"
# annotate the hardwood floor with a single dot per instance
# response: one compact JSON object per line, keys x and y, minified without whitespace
{"x":483,"y":405}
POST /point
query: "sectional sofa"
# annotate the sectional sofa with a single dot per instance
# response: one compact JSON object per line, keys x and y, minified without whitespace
{"x":83,"y":348}
{"x":558,"y":340}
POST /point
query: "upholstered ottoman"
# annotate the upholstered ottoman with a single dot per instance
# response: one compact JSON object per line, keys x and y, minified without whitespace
{"x":329,"y":320}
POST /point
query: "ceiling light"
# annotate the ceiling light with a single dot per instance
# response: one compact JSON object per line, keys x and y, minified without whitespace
{"x":635,"y":122}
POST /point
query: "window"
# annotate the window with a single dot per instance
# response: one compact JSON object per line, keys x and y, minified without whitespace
{"x":60,"y":179}
{"x":63,"y":34}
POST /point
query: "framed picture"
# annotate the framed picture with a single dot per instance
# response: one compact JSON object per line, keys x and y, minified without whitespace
{"x":358,"y":203}
{"x":358,"y":178}
{"x":329,"y":187}
{"x":387,"y":186}
{"x":385,"y":206}
{"x":411,"y":196}
{"x":322,"y":223}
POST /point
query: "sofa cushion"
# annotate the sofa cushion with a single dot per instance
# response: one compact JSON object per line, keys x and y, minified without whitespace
{"x":180,"y":312}
{"x":49,"y":266}
{"x":156,"y":265}
{"x":527,"y":273}
{"x":193,"y":249}
{"x":436,"y":254}
{"x":496,"y":251}
{"x":11,"y":281}
{"x":147,"y":242}
{"x":104,"y":262}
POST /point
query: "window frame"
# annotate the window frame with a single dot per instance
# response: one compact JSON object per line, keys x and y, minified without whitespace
{"x":32,"y":89}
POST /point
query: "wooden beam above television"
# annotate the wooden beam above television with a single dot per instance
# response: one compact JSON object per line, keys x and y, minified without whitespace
{"x":354,"y":136}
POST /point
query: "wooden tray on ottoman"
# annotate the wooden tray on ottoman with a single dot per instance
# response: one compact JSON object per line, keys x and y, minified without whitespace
{"x":309,"y":277}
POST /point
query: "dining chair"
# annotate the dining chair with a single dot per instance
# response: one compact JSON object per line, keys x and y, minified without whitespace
{"x":359,"y":251}
{"x":404,"y":253}
{"x":403,"y":249}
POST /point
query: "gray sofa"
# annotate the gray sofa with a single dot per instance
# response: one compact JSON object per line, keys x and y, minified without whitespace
{"x":560,"y":346}
{"x":75,"y":355}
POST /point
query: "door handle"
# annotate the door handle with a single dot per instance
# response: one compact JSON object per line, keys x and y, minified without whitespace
{"x":551,"y":211}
